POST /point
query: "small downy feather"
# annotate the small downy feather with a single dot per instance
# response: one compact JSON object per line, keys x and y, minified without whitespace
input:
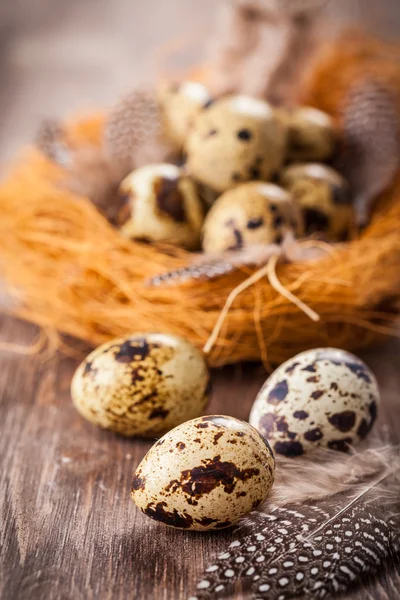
{"x":50,"y":140}
{"x":211,"y":266}
{"x":133,"y":133}
{"x":87,"y":172}
{"x":132,"y":138}
{"x":319,"y":543}
{"x":370,"y":153}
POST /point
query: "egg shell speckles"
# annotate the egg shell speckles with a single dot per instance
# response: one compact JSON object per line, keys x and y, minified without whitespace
{"x":142,"y":385}
{"x":162,"y":205}
{"x":322,"y":397}
{"x":323,"y":196}
{"x":204,"y":474}
{"x":236,"y":139}
{"x":179,"y":104}
{"x":312,"y":135}
{"x":252,"y":213}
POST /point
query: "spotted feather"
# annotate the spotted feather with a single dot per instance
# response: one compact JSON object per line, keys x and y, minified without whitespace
{"x":318,"y":539}
{"x":133,"y":133}
{"x":213,"y":266}
{"x":370,"y":153}
{"x":291,"y":554}
{"x":252,"y":555}
{"x":206,"y":270}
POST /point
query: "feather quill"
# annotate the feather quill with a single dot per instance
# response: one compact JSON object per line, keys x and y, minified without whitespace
{"x":320,"y":542}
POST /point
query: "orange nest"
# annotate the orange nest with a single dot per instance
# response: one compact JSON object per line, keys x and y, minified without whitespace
{"x":66,"y":268}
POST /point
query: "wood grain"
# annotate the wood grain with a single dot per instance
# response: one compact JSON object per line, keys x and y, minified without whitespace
{"x":69,"y":528}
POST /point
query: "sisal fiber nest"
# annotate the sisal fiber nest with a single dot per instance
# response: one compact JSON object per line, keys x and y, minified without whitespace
{"x":67,"y":269}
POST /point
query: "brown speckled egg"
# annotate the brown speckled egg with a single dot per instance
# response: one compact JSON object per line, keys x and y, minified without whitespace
{"x":322,"y":397}
{"x":204,"y":474}
{"x":324,"y":198}
{"x":142,"y":385}
{"x":312,"y":135}
{"x":236,"y":139}
{"x":163,"y":205}
{"x":252,"y":213}
{"x":179,"y":104}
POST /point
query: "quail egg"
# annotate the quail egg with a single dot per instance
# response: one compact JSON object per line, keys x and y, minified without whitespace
{"x":204,"y":474}
{"x":312,"y":135}
{"x":163,"y":205}
{"x":252,"y":213}
{"x":179,"y":104}
{"x":324,"y":198}
{"x":235,"y":139}
{"x":142,"y":385}
{"x":322,"y":397}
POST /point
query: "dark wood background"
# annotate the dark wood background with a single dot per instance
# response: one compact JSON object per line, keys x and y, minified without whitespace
{"x":69,"y":530}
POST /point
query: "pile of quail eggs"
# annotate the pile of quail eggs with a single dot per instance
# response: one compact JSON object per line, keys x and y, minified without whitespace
{"x":250,"y":174}
{"x":208,"y":471}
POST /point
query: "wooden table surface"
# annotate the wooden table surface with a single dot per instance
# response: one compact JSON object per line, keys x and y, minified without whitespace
{"x":69,"y":529}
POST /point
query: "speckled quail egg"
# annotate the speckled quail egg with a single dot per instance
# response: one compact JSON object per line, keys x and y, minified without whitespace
{"x":324,"y":197}
{"x":204,"y":474}
{"x":179,"y":104}
{"x":235,"y":139}
{"x":322,"y":397}
{"x":312,"y":135}
{"x":142,"y":385}
{"x":252,"y":213}
{"x":163,"y":205}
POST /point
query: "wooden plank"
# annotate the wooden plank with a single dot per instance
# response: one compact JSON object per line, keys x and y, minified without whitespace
{"x":70,"y":529}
